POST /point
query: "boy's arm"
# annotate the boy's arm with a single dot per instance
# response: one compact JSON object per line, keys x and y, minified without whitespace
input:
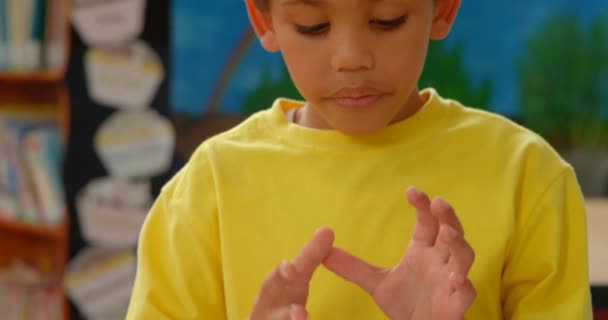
{"x":546,"y":275}
{"x":179,"y":267}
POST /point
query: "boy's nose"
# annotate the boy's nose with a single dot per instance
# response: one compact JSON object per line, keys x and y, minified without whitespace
{"x":351,"y":54}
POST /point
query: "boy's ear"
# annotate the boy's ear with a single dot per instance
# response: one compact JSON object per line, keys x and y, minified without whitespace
{"x":445,"y":14}
{"x":262,"y":25}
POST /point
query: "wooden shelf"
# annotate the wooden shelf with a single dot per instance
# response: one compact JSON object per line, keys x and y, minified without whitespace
{"x":50,"y":76}
{"x":44,"y":96}
{"x":35,"y":244}
{"x":27,"y":229}
{"x":39,"y":93}
{"x":42,"y":99}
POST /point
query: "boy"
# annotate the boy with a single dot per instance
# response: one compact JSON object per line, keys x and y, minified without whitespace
{"x":213,"y":243}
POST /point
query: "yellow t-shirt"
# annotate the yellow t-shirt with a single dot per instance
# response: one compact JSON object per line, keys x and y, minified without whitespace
{"x":250,"y":197}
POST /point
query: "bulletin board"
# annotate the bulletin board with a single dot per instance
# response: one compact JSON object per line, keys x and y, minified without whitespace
{"x":90,"y":170}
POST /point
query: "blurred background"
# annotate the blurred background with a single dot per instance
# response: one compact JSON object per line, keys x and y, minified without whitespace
{"x":102,"y":101}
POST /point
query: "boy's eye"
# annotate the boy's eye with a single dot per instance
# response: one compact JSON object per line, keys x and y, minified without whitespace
{"x":389,"y":24}
{"x":380,"y":23}
{"x":312,"y":30}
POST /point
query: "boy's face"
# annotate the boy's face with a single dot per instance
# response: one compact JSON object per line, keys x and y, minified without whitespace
{"x":356,"y":62}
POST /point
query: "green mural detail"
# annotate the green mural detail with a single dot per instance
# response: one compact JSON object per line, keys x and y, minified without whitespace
{"x":269,"y":89}
{"x":444,"y":70}
{"x":563,"y":78}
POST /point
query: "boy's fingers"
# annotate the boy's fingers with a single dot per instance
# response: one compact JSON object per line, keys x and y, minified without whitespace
{"x":273,"y":285}
{"x":461,"y":253}
{"x":462,"y":256}
{"x":427,"y":226}
{"x":270,"y":293}
{"x":463,"y":294}
{"x":314,"y":252}
{"x":446,"y":214}
{"x":277,"y":293}
{"x":447,"y":235}
{"x":355,"y":270}
{"x":287,"y":270}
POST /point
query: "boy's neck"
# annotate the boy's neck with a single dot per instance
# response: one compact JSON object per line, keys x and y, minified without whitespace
{"x":414,"y":103}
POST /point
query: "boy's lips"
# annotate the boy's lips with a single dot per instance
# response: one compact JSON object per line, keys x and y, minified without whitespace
{"x":358,"y":97}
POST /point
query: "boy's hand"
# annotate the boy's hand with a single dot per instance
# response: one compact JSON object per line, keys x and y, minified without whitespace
{"x":285,"y":291}
{"x":431,"y":280}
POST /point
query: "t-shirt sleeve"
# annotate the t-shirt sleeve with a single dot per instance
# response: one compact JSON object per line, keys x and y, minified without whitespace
{"x":179,"y":264}
{"x":545,"y":274}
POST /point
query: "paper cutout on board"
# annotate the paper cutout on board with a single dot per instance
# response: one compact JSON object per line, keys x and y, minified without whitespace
{"x":99,"y":282}
{"x":111,"y":211}
{"x":108,"y":23}
{"x":136,"y":144}
{"x":125,"y":78}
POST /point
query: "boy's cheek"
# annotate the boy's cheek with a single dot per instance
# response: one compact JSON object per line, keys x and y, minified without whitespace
{"x":307,"y":76}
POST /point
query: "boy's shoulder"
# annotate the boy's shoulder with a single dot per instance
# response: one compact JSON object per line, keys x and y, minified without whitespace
{"x":261,"y":129}
{"x":497,"y":126}
{"x":486,"y":129}
{"x":220,"y":147}
{"x":254,"y":129}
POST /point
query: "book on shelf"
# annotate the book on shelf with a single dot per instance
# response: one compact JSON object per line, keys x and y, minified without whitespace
{"x":31,"y":188}
{"x":27,"y":293}
{"x":32,"y":35}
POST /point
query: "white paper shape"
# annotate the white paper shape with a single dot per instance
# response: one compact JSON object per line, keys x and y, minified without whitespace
{"x":108,"y":23}
{"x":124,"y":78}
{"x":99,"y":281}
{"x":135,"y":144}
{"x":111,"y":211}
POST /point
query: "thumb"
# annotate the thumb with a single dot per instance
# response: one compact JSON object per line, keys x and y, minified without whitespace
{"x":313,"y":253}
{"x":355,"y":270}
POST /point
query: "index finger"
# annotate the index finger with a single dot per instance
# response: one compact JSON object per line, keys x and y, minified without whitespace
{"x":314,"y":252}
{"x":427,"y":226}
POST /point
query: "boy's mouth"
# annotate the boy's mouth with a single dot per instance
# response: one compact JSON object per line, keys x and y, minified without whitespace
{"x":359,"y":97}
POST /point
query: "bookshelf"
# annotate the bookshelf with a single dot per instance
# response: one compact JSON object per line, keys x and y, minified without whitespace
{"x":39,"y":91}
{"x":43,"y":246}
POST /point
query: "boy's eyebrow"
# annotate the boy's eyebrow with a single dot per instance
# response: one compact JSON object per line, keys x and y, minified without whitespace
{"x":315,"y":3}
